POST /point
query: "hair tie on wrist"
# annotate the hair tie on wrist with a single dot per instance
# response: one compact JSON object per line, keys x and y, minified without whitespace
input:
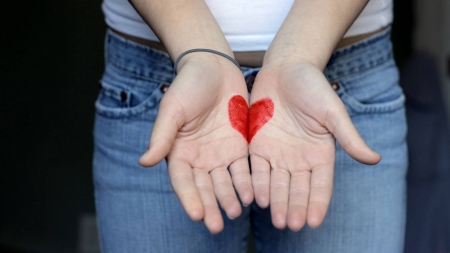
{"x":204,"y":50}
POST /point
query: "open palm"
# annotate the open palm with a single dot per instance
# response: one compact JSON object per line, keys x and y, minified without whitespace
{"x":193,"y":130}
{"x":293,"y":154}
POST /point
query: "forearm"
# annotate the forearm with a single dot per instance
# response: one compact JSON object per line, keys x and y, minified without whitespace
{"x":312,"y":30}
{"x":182,"y":25}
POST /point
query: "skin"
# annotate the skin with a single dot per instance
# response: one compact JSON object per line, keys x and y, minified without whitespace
{"x":192,"y":128}
{"x":292,"y":155}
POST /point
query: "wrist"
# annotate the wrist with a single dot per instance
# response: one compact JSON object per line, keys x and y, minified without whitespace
{"x":176,"y":49}
{"x":210,"y":57}
{"x":284,"y":61}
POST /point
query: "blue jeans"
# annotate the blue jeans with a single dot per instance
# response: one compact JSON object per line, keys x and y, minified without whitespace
{"x":139,"y":212}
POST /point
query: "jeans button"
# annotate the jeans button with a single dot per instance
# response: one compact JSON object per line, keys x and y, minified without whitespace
{"x":335,"y":86}
{"x":164,"y":88}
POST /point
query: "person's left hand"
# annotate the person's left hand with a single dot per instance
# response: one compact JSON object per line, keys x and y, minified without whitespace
{"x":294,"y":119}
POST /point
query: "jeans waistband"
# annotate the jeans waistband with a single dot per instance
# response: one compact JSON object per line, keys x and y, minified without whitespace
{"x":142,"y":61}
{"x":137,"y":59}
{"x":360,"y":56}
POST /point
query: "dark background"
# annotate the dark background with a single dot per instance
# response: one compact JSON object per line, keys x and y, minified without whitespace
{"x":51,"y":58}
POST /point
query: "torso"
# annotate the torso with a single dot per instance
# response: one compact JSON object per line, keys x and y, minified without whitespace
{"x":242,"y":24}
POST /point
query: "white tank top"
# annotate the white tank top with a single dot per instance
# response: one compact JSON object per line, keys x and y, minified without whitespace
{"x":247,"y":25}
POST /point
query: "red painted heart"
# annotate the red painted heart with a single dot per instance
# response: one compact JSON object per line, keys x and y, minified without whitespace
{"x":248,"y":123}
{"x":238,"y":114}
{"x":260,"y":113}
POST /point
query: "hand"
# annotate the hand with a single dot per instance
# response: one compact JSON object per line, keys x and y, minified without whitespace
{"x":293,"y":154}
{"x":193,"y":130}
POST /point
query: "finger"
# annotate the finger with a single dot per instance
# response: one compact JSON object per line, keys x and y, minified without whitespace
{"x":298,"y":199}
{"x":279,"y":196}
{"x":242,"y":181}
{"x":182,"y":180}
{"x":213,"y":218}
{"x":260,"y":171}
{"x":225,"y":193}
{"x":320,"y":197}
{"x":341,"y":126}
{"x":170,"y":118}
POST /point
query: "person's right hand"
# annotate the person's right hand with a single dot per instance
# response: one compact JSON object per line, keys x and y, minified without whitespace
{"x":193,"y":130}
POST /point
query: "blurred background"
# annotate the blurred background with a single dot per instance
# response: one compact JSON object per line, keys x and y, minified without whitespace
{"x":51,"y":58}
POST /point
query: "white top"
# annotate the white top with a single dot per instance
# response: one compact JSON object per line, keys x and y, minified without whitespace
{"x":247,"y":25}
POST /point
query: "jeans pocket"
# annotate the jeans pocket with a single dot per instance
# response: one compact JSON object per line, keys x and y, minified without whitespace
{"x":124,"y":99}
{"x":375,"y":91}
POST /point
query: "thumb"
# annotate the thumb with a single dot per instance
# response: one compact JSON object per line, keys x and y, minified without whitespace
{"x":341,"y":126}
{"x":169,"y":120}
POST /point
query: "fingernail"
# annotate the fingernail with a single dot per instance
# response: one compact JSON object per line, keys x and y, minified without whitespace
{"x":230,"y":218}
{"x":245,"y":205}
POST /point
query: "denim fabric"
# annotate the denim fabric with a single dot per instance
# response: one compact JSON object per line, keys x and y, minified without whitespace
{"x":139,"y":212}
